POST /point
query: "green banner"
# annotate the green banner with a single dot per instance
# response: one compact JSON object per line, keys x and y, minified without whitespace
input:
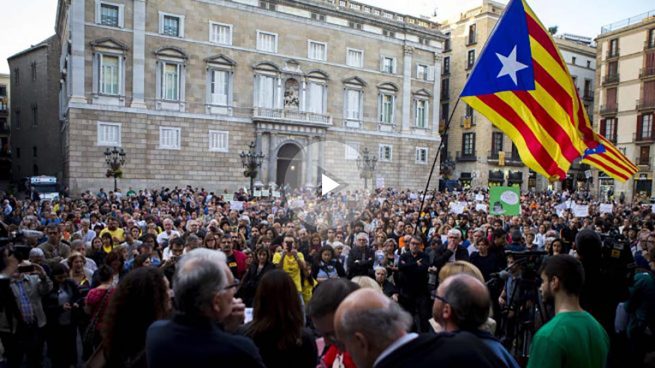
{"x":504,"y":201}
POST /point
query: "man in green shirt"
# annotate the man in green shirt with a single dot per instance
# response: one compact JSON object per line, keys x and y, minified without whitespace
{"x":573,"y":338}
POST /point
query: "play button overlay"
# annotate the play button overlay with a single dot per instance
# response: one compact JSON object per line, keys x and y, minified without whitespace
{"x":327,"y":184}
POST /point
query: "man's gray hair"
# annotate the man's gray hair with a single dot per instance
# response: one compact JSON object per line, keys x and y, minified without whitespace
{"x":380,"y":325}
{"x":77,"y":243}
{"x":199,"y":275}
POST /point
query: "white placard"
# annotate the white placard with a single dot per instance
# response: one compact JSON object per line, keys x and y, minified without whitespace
{"x":379,"y":182}
{"x":587,"y":174}
{"x":457,"y":207}
{"x":560,"y":208}
{"x":265,"y":193}
{"x":481,"y":207}
{"x":580,"y":210}
{"x":298,"y":203}
{"x":479,"y":197}
{"x":606,"y":208}
{"x":258,"y":193}
{"x":413,"y":196}
{"x":276,"y":194}
{"x":236,"y":205}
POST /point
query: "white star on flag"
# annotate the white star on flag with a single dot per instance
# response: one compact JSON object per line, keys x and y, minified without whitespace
{"x":510,"y":65}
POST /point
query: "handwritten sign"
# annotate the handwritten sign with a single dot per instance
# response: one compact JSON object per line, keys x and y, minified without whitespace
{"x":236,"y":205}
{"x":606,"y":208}
{"x":580,"y":210}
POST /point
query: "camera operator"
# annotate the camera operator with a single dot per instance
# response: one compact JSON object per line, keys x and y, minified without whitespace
{"x":22,"y":285}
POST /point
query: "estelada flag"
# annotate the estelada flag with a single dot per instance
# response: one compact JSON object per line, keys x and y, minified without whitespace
{"x":522,"y":85}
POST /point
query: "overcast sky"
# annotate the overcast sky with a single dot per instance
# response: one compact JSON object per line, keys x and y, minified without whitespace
{"x":28,"y":22}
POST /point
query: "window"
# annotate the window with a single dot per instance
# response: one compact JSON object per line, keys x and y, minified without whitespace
{"x":266,"y":91}
{"x":33,"y":67}
{"x":17,"y":152}
{"x":612,"y":69}
{"x":386,"y":103}
{"x":588,"y":64}
{"x":266,"y":41}
{"x":171,"y":24}
{"x":386,"y":152}
{"x":35,"y":170}
{"x":317,"y":50}
{"x":109,"y":134}
{"x":353,"y":104}
{"x":17,"y":76}
{"x":496,"y":143}
{"x":445,"y":88}
{"x":608,"y":129}
{"x":219,"y":87}
{"x":35,"y":115}
{"x":573,"y":60}
{"x":421,"y":155}
{"x":220,"y":33}
{"x":352,"y":151}
{"x":613,"y":48}
{"x":267,"y":5}
{"x":387,"y":65}
{"x":588,"y":93}
{"x":170,"y":81}
{"x":318,"y":17}
{"x":446,"y":44}
{"x":468,"y":144}
{"x":17,"y":119}
{"x":445,"y":111}
{"x":354,"y":25}
{"x":421,"y":113}
{"x":34,"y":152}
{"x":650,"y":42}
{"x":354,"y":58}
{"x":470,"y":59}
{"x":169,"y":138}
{"x":316,"y":98}
{"x":109,"y":74}
{"x":422,"y":72}
{"x":472,"y":36}
{"x":388,"y":33}
{"x":109,"y":14}
{"x":646,"y":126}
{"x":218,"y":140}
{"x":446,"y":65}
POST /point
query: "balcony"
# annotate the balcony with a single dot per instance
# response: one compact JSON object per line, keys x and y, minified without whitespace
{"x":472,"y":39}
{"x":467,"y":122}
{"x":643,"y":162}
{"x":445,"y":96}
{"x":588,"y":96}
{"x":611,"y":79}
{"x":609,"y":109}
{"x":643,"y":104}
{"x":643,"y":137}
{"x":305,"y":117}
{"x":611,"y":54}
{"x":645,"y":73}
{"x":510,"y":160}
{"x":466,"y":157}
{"x":649,"y":45}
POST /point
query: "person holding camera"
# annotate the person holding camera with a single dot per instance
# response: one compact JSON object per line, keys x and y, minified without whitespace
{"x":22,"y":317}
{"x":291,"y":261}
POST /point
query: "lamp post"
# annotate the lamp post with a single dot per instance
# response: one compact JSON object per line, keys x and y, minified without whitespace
{"x":366,"y":165}
{"x":251,"y":161}
{"x":115,"y":158}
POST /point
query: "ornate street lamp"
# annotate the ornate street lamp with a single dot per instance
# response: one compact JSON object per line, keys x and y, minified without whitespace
{"x":366,"y":165}
{"x":115,"y":158}
{"x":251,"y":161}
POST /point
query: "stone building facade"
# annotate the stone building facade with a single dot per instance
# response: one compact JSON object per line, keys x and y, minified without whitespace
{"x":183,"y":86}
{"x":5,"y":124}
{"x":35,"y":126}
{"x":625,"y":100}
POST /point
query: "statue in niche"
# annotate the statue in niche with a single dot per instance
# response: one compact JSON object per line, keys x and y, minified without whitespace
{"x":291,"y":95}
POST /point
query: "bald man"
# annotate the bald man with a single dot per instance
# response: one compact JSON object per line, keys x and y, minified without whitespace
{"x":373,"y":328}
{"x":462,"y":302}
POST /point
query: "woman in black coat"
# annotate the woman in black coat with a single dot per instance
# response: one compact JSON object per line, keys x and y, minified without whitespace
{"x":254,"y":274}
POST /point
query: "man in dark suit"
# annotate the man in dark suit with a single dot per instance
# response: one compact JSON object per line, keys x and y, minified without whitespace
{"x":204,"y":298}
{"x":413,"y":284}
{"x":451,"y":251}
{"x":373,"y":329}
{"x":361,"y":258}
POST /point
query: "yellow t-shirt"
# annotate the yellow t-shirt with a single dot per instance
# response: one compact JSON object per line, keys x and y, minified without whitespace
{"x":307,"y":290}
{"x":291,"y":267}
{"x":119,"y":234}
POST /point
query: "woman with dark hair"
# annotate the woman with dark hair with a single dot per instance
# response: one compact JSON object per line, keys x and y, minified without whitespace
{"x":61,"y":306}
{"x":326,"y":266}
{"x":95,"y":252}
{"x":277,"y":325}
{"x":116,"y":263}
{"x":260,"y":265}
{"x":95,"y":305}
{"x":209,"y":241}
{"x":142,"y":260}
{"x":141,"y":298}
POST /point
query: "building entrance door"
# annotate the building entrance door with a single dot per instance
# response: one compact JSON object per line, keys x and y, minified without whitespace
{"x":289,"y":166}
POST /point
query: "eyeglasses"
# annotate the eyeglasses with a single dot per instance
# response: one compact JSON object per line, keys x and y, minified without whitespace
{"x":415,"y":243}
{"x":231,"y":286}
{"x":440,"y":298}
{"x":288,"y":242}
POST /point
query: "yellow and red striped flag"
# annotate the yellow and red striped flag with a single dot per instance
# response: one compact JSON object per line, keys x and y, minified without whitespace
{"x":522,"y":85}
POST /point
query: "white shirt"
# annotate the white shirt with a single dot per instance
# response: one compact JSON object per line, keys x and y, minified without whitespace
{"x":395,"y":346}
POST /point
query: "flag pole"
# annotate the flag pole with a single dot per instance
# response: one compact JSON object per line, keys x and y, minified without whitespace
{"x":434,"y":164}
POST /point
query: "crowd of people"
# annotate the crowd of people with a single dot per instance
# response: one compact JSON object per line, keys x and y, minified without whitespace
{"x":178,"y":277}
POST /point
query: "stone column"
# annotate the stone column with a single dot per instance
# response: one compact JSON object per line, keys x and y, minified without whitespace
{"x":272,"y":159}
{"x":436,"y":94}
{"x":77,"y":15}
{"x":309,"y":161}
{"x":407,"y":86}
{"x":138,"y":55}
